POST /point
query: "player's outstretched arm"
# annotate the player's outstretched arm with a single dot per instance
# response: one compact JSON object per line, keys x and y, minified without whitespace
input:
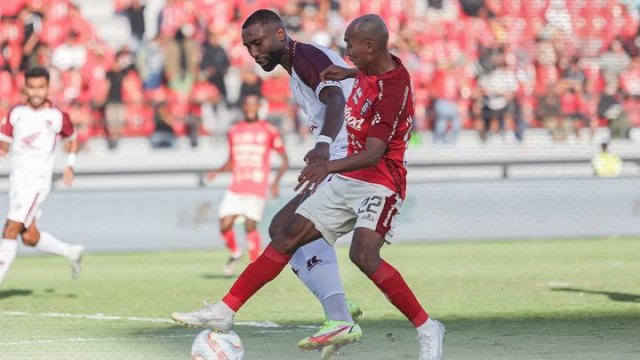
{"x":337,"y":73}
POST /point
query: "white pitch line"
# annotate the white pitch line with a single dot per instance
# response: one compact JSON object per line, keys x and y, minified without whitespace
{"x":86,"y":316}
{"x":87,"y":339}
{"x":103,"y":317}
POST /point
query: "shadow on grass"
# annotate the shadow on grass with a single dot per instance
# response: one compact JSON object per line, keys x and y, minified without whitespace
{"x":218,"y":277}
{"x":4,"y":294}
{"x":614,"y":296}
{"x":512,"y":337}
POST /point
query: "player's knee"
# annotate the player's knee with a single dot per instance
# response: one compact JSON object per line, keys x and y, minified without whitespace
{"x":274,"y":227}
{"x":225,"y":225}
{"x":224,"y":228}
{"x":284,"y":244}
{"x":250,"y":227}
{"x":10,"y":234}
{"x":364,"y":261}
{"x":30,"y":239}
{"x":11,"y":231}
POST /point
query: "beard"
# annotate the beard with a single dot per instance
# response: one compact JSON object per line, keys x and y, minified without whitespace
{"x":36,"y":101}
{"x":273,"y":60}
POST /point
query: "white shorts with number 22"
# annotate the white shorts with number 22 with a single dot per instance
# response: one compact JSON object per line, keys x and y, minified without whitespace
{"x":342,"y":204}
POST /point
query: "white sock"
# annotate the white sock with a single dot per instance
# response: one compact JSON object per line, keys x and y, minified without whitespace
{"x":8,"y":249}
{"x":336,"y":309}
{"x":49,"y":244}
{"x":316,"y":265}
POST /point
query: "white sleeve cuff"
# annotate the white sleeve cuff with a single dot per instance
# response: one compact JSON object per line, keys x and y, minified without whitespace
{"x":6,"y":138}
{"x":325,"y":84}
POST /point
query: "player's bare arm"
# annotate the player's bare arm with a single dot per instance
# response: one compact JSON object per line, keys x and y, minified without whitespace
{"x":4,"y":148}
{"x":337,"y":73}
{"x":333,"y":98}
{"x":284,"y":166}
{"x":72,"y":151}
{"x":313,"y":174}
{"x":226,"y":167}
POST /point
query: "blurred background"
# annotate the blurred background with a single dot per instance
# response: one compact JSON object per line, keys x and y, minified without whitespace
{"x":514,"y":101}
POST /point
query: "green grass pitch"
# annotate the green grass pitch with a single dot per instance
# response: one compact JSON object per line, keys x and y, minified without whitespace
{"x":543,"y":299}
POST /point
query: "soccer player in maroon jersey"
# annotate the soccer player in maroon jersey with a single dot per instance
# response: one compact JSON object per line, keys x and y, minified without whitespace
{"x":364,"y":192}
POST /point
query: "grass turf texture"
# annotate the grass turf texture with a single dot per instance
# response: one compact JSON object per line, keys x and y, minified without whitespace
{"x":555,"y":299}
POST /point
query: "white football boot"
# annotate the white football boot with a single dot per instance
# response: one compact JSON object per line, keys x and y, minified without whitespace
{"x":431,"y":340}
{"x":218,"y":317}
{"x":75,"y":260}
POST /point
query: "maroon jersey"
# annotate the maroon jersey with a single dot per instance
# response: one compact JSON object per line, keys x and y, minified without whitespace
{"x":381,"y":106}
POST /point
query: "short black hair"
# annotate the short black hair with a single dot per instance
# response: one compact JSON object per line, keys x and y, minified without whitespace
{"x":251,"y":93}
{"x":262,"y":17}
{"x":36,"y":72}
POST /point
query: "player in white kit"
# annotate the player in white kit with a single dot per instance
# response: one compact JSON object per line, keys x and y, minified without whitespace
{"x":30,"y":131}
{"x":315,"y":264}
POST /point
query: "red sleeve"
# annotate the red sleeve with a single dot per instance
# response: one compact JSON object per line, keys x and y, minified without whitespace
{"x":388,"y":109}
{"x":67,"y":126}
{"x":6,"y":128}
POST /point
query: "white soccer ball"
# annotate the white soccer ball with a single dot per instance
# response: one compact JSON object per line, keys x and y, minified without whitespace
{"x":211,"y":345}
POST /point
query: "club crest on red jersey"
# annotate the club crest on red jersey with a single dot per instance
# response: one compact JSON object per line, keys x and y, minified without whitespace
{"x":365,"y":107}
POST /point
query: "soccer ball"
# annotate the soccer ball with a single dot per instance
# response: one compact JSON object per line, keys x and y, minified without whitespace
{"x":211,"y":345}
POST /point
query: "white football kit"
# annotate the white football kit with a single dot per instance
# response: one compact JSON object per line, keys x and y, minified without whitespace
{"x":33,"y":135}
{"x":316,"y":263}
{"x":306,"y":86}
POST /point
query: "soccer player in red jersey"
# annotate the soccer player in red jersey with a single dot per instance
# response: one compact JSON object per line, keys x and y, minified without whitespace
{"x":364,"y":192}
{"x":30,"y":132}
{"x":250,"y":144}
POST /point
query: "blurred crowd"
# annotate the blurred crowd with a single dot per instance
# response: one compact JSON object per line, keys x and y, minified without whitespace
{"x":496,"y":66}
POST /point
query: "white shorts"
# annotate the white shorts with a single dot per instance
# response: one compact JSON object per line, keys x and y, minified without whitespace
{"x":249,"y":206}
{"x":338,"y":151}
{"x":26,"y":195}
{"x":343,"y":204}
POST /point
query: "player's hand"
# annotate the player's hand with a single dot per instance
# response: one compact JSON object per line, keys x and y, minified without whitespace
{"x":319,"y":153}
{"x":67,"y":177}
{"x":211,"y":175}
{"x":312,"y":175}
{"x":337,"y":73}
{"x":275,"y":190}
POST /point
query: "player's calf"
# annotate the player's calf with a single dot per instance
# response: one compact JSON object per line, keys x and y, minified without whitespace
{"x":30,"y":239}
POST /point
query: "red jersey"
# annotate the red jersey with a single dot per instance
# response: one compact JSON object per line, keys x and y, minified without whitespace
{"x":250,"y":146}
{"x":381,"y":106}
